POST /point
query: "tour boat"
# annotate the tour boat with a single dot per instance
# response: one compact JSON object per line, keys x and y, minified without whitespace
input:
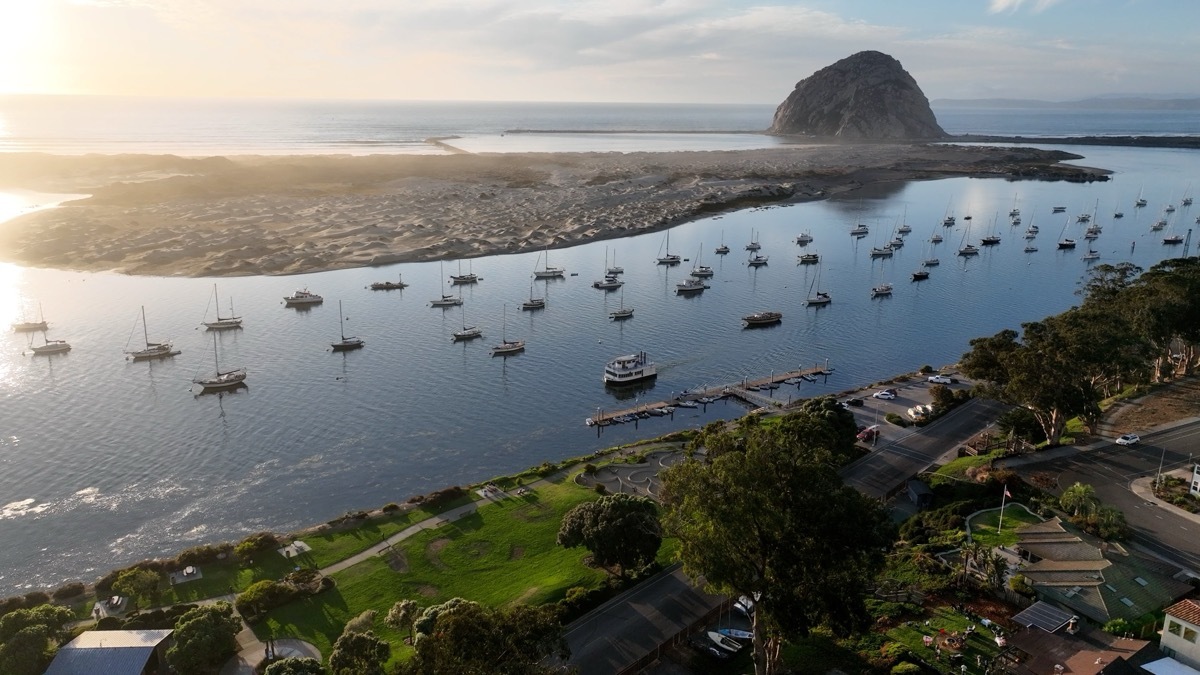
{"x":346,"y":343}
{"x":762,"y":319}
{"x":223,"y":322}
{"x":301,"y":298}
{"x":629,"y":369}
{"x":221,"y":379}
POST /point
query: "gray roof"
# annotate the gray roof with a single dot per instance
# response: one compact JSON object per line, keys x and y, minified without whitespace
{"x":1043,"y":615}
{"x":107,"y":652}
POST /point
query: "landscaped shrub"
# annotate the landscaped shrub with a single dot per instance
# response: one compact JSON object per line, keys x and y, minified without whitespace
{"x":589,"y":468}
{"x":256,"y":543}
{"x":70,"y":590}
{"x":204,"y":554}
{"x":545,"y":469}
{"x":390,"y":508}
{"x":35,"y":598}
{"x":905,"y":668}
{"x":899,"y":421}
{"x":263,"y":596}
{"x":109,"y":623}
{"x":601,"y":488}
{"x":445,"y":496}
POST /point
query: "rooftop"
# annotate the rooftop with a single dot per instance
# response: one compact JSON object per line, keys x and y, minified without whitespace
{"x":1187,"y":610}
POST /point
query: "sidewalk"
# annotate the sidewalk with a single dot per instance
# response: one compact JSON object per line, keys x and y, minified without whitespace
{"x":1069,"y":450}
{"x":1143,"y":488}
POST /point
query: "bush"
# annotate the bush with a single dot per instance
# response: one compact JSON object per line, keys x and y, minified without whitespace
{"x":905,"y":668}
{"x":899,"y":421}
{"x":35,"y":598}
{"x":71,"y":590}
{"x":390,"y":507}
{"x":601,"y":488}
{"x":263,"y":596}
{"x":201,"y":555}
{"x":589,"y":468}
{"x":109,"y":623}
{"x":445,"y":496}
{"x":545,"y":469}
{"x":925,"y":369}
{"x":256,"y":543}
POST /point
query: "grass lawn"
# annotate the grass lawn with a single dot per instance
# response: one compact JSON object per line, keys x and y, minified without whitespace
{"x":503,"y":553}
{"x":219,"y":577}
{"x":983,"y":525}
{"x":958,"y":467}
{"x":336,"y":545}
{"x":982,"y":642}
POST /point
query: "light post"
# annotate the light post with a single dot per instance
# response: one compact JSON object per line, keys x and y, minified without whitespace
{"x":1158,"y":478}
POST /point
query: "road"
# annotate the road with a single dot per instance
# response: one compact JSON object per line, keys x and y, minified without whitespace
{"x":1112,"y":469}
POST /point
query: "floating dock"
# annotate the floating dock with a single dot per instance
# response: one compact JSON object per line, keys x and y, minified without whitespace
{"x":753,"y":392}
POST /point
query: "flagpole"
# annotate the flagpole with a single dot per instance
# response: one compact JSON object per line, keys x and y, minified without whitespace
{"x":1004,"y":496}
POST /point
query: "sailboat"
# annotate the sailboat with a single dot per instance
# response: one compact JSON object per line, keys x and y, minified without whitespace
{"x":1091,"y":254}
{"x":622,"y":312}
{"x":817,"y":297}
{"x":346,"y":343}
{"x":1140,"y":202}
{"x":533,"y":303}
{"x":49,"y":346}
{"x":469,"y":278}
{"x":610,"y":281}
{"x":668,"y":258}
{"x":904,"y":228}
{"x":992,"y":238}
{"x":965,"y":249}
{"x":153,"y":350}
{"x":445,"y":300}
{"x":223,"y":322}
{"x":507,"y":346}
{"x":1014,"y":212}
{"x":1172,"y":239}
{"x":31,"y":326}
{"x":882,"y":288}
{"x":221,"y":379}
{"x":701,"y":271}
{"x":859,"y":230}
{"x":1063,"y":242}
{"x":467,"y":332}
{"x":753,"y":245}
{"x":614,"y":269}
{"x":722,"y":249}
{"x":549,"y":272}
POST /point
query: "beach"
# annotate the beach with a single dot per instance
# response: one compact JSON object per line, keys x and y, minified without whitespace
{"x":165,"y":215}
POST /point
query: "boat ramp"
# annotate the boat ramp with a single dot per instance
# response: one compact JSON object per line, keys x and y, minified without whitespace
{"x":758,"y":393}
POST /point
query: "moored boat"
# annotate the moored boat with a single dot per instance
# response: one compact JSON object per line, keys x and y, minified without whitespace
{"x":629,"y":369}
{"x":301,"y":298}
{"x":223,"y":322}
{"x":152,"y":350}
{"x":346,"y":343}
{"x":762,"y":319}
{"x":689,"y":286}
{"x":220,"y":379}
{"x":389,"y":285}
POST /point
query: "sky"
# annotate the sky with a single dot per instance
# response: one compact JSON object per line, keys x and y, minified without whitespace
{"x":696,"y":51}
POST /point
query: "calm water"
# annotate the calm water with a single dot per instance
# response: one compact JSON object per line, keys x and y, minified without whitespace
{"x":103,"y":462}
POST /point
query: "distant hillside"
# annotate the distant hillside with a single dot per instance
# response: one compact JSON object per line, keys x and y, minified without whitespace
{"x":1095,"y":103}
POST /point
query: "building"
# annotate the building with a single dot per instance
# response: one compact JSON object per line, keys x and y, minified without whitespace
{"x":113,"y":652}
{"x":920,"y":494}
{"x":1195,"y":489}
{"x":1181,"y":632}
{"x":1095,"y":579}
{"x":1054,"y":642}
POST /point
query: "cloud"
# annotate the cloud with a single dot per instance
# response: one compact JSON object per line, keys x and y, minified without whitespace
{"x":1000,"y":6}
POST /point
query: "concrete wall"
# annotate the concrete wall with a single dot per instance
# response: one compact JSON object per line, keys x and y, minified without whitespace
{"x":1181,"y":640}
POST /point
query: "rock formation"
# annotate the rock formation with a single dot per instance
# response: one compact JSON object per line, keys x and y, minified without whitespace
{"x":865,"y":97}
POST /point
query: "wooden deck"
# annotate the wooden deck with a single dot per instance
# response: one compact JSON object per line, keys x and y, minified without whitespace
{"x":743,"y":391}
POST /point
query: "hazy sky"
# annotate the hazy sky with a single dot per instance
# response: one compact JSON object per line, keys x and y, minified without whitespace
{"x":590,"y":50}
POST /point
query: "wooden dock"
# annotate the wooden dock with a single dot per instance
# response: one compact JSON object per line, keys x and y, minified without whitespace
{"x":754,"y":392}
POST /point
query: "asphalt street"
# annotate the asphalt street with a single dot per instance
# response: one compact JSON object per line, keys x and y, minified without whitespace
{"x":1112,"y":469}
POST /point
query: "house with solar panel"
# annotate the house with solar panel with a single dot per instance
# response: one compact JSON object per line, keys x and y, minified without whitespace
{"x":1092,"y":578}
{"x":113,"y":652}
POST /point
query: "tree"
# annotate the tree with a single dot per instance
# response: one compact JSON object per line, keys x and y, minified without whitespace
{"x":994,"y":567}
{"x":1079,"y":499}
{"x":620,"y":530}
{"x":205,"y":638}
{"x":29,"y":638}
{"x":141,"y":585}
{"x":361,"y":623}
{"x":359,"y":654}
{"x":470,"y":639}
{"x":402,"y":615}
{"x":774,"y":521}
{"x":296,"y":665}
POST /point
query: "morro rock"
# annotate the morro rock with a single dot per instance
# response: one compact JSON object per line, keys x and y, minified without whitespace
{"x":865,"y":97}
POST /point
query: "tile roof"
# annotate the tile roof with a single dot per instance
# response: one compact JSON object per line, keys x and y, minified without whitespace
{"x":1187,"y":610}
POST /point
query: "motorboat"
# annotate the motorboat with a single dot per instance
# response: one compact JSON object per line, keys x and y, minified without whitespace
{"x":809,"y":259}
{"x":302,"y":298}
{"x":689,"y":286}
{"x":609,"y":283}
{"x":804,"y":239}
{"x":629,"y":369}
{"x":724,"y":642}
{"x":1173,"y":239}
{"x":389,"y":285}
{"x":920,"y":275}
{"x":762,"y":319}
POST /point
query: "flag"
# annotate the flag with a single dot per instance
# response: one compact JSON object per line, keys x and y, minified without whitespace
{"x":1007,"y":493}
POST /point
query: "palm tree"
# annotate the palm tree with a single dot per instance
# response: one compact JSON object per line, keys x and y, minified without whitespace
{"x":995,"y":566}
{"x":1079,"y":499}
{"x":973,"y":553}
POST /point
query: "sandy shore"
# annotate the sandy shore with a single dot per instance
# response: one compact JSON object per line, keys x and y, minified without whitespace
{"x":218,"y":216}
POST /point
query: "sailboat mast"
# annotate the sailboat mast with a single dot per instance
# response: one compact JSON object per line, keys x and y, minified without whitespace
{"x":216,"y":362}
{"x":145,"y":331}
{"x":341,"y":320}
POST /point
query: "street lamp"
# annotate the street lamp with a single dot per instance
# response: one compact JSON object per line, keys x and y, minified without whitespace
{"x":1158,"y":478}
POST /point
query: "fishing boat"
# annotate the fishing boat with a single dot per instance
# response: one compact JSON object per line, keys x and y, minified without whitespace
{"x":32,"y":326}
{"x":152,"y":350}
{"x":302,"y":298}
{"x":549,"y":272}
{"x":809,"y":258}
{"x":762,"y":319}
{"x":816,"y":296}
{"x":757,"y":260}
{"x":804,"y":239}
{"x":753,"y":245}
{"x":622,"y":312}
{"x":346,"y":343}
{"x":223,"y":322}
{"x":701,"y":271}
{"x":690,"y":287}
{"x":469,"y":278}
{"x":535,"y":303}
{"x":49,"y":346}
{"x":389,"y":285}
{"x":467,"y":332}
{"x":445,"y":300}
{"x":668,"y":258}
{"x":506,"y":346}
{"x":220,"y":379}
{"x":629,"y":369}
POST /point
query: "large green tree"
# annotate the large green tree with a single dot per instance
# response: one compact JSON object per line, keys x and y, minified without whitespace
{"x":296,"y":665}
{"x":620,"y":530}
{"x":29,"y":638}
{"x":1080,"y":499}
{"x":141,"y":585}
{"x":770,"y":518}
{"x":466,"y":638}
{"x":402,"y":615}
{"x":359,"y":654}
{"x":204,"y":639}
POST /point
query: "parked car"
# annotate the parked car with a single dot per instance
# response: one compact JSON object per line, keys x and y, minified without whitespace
{"x":869,"y":433}
{"x":940,"y":379}
{"x":1129,"y":439}
{"x":855,"y":401}
{"x":886,"y":395}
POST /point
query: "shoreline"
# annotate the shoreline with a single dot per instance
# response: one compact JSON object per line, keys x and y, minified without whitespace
{"x":163,"y":215}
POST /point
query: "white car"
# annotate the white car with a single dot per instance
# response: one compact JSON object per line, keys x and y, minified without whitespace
{"x":940,"y":379}
{"x":1128,"y":439}
{"x":885,"y":395}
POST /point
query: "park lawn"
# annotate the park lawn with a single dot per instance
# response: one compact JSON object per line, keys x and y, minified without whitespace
{"x":983,"y":525}
{"x":219,"y":577}
{"x":982,"y":642}
{"x":958,"y":468}
{"x":336,"y":545}
{"x":504,"y":553}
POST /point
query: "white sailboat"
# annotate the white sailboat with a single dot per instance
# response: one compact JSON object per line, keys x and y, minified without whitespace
{"x":549,"y":272}
{"x":49,"y":346}
{"x":467,"y":332}
{"x":507,"y":346}
{"x":31,"y":326}
{"x":346,"y":343}
{"x":613,"y":269}
{"x":610,"y":282}
{"x":152,"y":350}
{"x":220,"y":379}
{"x":722,"y":249}
{"x":668,"y":258}
{"x":816,"y":296}
{"x":701,"y":271}
{"x":622,"y":312}
{"x":223,"y":322}
{"x":469,"y":278}
{"x":753,"y":245}
{"x":445,"y":300}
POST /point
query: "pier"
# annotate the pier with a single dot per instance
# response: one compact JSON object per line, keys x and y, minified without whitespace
{"x":749,"y":391}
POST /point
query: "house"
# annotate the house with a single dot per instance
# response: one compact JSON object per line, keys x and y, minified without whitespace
{"x":113,"y":652}
{"x":1194,"y":490}
{"x":1181,"y":632}
{"x":1054,"y":642}
{"x":1096,"y":579}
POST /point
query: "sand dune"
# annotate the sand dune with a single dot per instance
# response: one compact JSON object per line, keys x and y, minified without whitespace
{"x":165,"y":215}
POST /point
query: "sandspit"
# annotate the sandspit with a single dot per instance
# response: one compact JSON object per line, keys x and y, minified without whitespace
{"x":226,"y":216}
